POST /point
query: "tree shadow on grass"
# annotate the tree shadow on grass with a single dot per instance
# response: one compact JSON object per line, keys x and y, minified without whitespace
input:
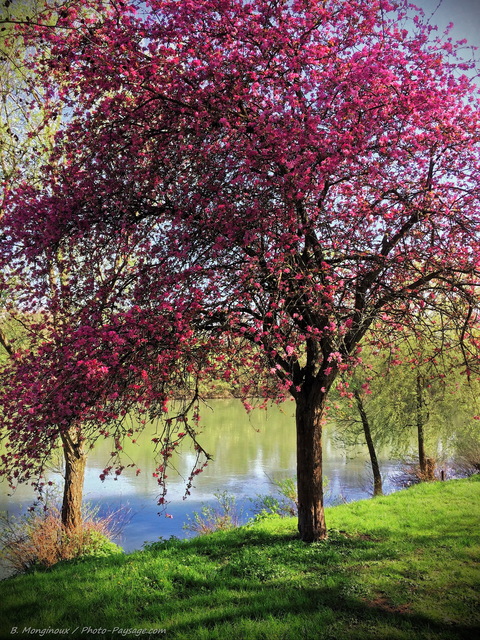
{"x":251,"y":579}
{"x":322,"y":612}
{"x":255,"y":589}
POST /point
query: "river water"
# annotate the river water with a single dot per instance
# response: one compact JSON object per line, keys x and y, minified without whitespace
{"x":249,"y":452}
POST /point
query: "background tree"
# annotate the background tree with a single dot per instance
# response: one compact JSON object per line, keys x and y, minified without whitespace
{"x":24,"y":138}
{"x":417,"y":388}
{"x":302,"y":169}
{"x":357,"y":422}
{"x":26,"y":135}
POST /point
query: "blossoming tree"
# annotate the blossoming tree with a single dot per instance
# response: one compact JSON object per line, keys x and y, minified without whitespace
{"x":305,"y":167}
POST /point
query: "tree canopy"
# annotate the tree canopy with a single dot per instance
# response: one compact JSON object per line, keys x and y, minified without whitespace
{"x":278,"y":174}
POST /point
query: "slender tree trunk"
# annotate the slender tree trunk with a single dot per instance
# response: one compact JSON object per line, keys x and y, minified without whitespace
{"x":5,"y":342}
{"x":422,"y":459}
{"x":377,"y":476}
{"x":311,"y":516}
{"x":75,"y":462}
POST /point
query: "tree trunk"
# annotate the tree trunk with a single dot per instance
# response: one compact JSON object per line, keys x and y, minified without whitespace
{"x":377,"y":476}
{"x":311,"y":516}
{"x":422,"y":459}
{"x":5,"y":342}
{"x":75,"y":462}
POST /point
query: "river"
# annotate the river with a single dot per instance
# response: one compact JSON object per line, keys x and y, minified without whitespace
{"x":249,"y":452}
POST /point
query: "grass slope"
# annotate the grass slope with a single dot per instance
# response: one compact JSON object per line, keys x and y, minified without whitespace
{"x":401,"y":567}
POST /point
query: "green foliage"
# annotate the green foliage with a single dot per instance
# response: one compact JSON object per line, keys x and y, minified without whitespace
{"x":402,"y":566}
{"x":97,"y":545}
{"x":387,"y":383}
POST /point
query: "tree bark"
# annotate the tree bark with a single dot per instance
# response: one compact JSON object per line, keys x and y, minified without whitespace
{"x":422,"y":459}
{"x":377,"y":476}
{"x":5,"y":342}
{"x":311,"y":516}
{"x":75,"y":462}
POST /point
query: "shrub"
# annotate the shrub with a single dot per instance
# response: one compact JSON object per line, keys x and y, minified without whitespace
{"x":410,"y":472}
{"x":283,"y":503}
{"x":40,"y":540}
{"x":215,"y":518}
{"x":467,"y":459}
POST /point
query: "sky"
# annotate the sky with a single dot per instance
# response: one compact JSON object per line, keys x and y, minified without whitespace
{"x":465,"y":15}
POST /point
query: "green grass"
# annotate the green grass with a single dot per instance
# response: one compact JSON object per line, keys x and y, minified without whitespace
{"x":401,"y":567}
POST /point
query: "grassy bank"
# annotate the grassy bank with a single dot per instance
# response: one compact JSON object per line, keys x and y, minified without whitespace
{"x":401,"y":567}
